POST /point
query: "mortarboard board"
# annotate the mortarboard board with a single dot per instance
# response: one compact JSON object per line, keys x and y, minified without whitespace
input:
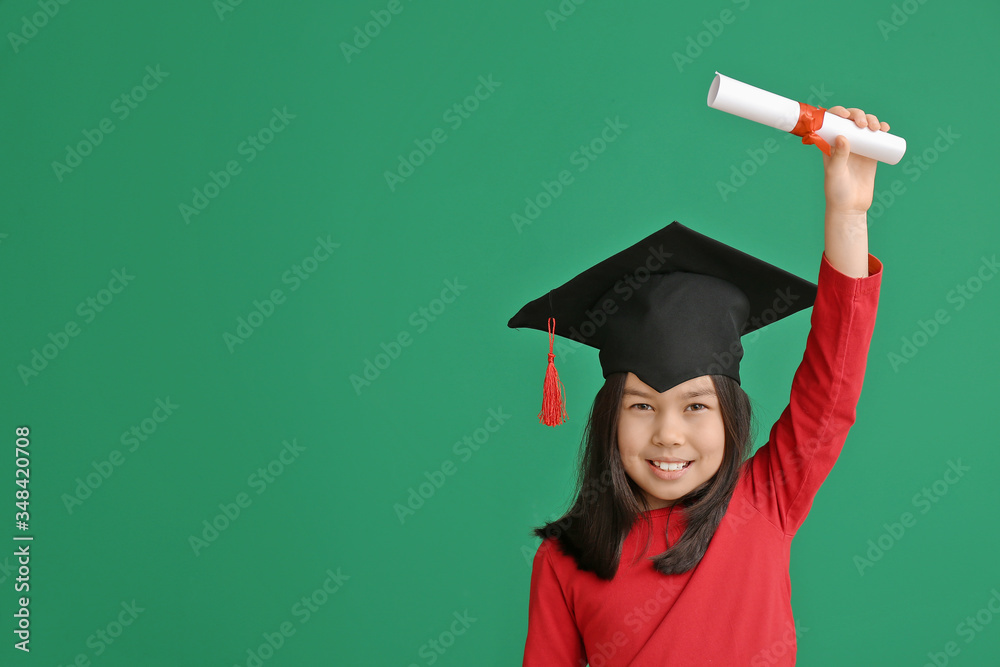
{"x":670,"y":308}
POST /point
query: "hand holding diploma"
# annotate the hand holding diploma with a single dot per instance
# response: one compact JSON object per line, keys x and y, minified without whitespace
{"x":814,"y":124}
{"x":849,"y":177}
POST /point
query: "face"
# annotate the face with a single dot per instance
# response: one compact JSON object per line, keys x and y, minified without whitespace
{"x":682,"y":425}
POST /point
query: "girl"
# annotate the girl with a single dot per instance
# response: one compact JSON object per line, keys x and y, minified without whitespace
{"x":676,"y":548}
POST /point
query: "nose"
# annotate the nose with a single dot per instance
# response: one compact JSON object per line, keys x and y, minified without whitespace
{"x":667,"y":430}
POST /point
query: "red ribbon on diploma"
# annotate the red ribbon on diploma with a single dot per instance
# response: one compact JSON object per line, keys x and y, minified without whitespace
{"x":810,"y":120}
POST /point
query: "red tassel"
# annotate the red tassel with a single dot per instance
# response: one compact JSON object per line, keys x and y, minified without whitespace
{"x":553,"y":408}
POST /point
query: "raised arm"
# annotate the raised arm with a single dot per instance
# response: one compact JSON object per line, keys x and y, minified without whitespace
{"x":803,"y":445}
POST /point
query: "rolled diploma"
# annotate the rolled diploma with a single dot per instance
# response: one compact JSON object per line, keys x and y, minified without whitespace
{"x":740,"y":99}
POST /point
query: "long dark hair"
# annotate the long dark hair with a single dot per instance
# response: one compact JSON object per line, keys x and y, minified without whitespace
{"x":608,"y":501}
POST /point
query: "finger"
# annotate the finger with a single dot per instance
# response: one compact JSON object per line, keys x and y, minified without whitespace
{"x":873,"y":123}
{"x":839,"y":111}
{"x":885,"y":126}
{"x":858,"y":116}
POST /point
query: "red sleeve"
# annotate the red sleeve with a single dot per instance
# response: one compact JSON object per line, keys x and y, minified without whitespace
{"x":803,"y":445}
{"x":553,"y":638}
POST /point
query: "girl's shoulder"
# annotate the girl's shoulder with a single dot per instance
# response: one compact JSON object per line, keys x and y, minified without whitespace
{"x":558,"y":553}
{"x":551,"y":547}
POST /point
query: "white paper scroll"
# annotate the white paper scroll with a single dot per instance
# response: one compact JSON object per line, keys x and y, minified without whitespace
{"x":740,"y":99}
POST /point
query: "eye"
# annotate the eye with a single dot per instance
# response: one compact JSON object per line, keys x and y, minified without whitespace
{"x":641,"y":406}
{"x":698,"y":405}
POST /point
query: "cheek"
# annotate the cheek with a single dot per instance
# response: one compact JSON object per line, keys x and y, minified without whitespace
{"x":627,"y":438}
{"x":712,"y":440}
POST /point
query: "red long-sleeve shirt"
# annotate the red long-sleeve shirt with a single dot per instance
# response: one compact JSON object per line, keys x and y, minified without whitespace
{"x":734,"y":608}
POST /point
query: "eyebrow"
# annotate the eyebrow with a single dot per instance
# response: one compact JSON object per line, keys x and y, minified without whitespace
{"x":637,"y":392}
{"x":705,"y":391}
{"x":694,"y":393}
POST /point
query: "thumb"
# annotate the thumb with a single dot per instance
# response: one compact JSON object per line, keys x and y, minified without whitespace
{"x":840,"y":150}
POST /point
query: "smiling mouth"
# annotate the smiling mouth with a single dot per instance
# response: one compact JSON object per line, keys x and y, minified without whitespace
{"x":669,"y":467}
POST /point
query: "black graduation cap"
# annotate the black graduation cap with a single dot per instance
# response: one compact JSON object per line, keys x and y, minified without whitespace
{"x":670,"y":308}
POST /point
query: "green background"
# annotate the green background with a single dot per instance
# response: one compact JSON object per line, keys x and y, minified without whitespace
{"x":365,"y":447}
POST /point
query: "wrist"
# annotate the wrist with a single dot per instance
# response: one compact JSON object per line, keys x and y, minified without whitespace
{"x":853,"y":214}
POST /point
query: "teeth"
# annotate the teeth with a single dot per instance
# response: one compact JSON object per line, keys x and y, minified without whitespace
{"x":670,"y":466}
